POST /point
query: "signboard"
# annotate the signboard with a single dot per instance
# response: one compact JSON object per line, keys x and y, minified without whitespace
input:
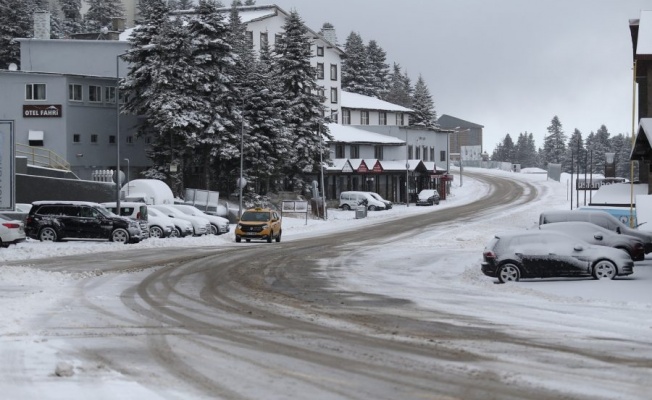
{"x":596,"y":183}
{"x":42,"y":111}
{"x":295,"y":206}
{"x":7,"y":165}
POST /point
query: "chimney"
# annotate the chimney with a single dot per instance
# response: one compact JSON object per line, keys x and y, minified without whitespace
{"x":41,"y":25}
{"x":118,"y":24}
{"x":328,"y":32}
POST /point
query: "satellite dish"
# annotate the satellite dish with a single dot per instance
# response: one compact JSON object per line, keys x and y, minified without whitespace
{"x":13,"y":67}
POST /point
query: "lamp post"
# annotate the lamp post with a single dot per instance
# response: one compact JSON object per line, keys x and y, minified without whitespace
{"x":407,"y":171}
{"x":321,"y":166}
{"x":460,"y":153}
{"x":127,"y":160}
{"x":117,"y":129}
{"x":240,"y":181}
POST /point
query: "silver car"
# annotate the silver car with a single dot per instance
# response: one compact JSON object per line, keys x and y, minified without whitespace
{"x":600,"y":236}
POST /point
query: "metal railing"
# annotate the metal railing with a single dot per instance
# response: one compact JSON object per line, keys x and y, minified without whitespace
{"x":42,"y":157}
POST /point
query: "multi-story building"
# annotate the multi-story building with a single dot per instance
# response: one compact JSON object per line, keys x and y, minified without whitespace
{"x":465,"y":138}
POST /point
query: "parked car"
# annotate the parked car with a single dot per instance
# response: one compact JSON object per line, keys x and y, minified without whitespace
{"x":260,"y":224}
{"x":219,"y":225}
{"x":600,"y":218}
{"x":200,"y":225}
{"x":351,"y":200}
{"x":544,"y":254}
{"x":12,"y":231}
{"x":428,"y":197}
{"x":388,"y":204}
{"x":61,"y":220}
{"x":133,"y":210}
{"x":180,"y":227}
{"x":595,"y":234}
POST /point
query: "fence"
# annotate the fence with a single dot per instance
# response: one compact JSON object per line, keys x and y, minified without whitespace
{"x":42,"y":157}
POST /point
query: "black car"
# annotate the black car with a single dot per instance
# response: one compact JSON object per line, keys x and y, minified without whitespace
{"x":60,"y":220}
{"x":428,"y":197}
{"x":545,"y":254}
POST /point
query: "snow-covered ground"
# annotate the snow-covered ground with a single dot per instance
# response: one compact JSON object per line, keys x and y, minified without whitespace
{"x":439,"y":268}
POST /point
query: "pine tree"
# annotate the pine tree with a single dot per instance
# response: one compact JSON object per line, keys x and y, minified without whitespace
{"x":181,"y":4}
{"x":305,"y":110}
{"x":575,"y":152}
{"x":423,"y":106}
{"x":621,"y":145}
{"x":400,"y":91}
{"x":356,"y":74}
{"x":378,"y":70}
{"x":16,"y":21}
{"x":101,"y":13}
{"x":554,"y":145}
{"x":597,"y":147}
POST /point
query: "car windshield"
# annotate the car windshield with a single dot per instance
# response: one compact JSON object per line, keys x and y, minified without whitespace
{"x":104,"y":211}
{"x":260,"y":216}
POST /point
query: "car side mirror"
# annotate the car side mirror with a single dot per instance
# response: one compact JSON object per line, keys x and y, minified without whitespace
{"x":578,"y":247}
{"x":597,"y":236}
{"x":617,"y":229}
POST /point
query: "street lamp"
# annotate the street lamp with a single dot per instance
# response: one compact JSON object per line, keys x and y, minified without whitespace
{"x":127,"y":160}
{"x":117,"y":129}
{"x":460,"y":153}
{"x":321,"y":166}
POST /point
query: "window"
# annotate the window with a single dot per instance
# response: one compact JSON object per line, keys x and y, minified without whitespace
{"x":364,"y":117}
{"x":339,"y":151}
{"x":334,"y":117}
{"x":355,"y":151}
{"x":109,"y":94}
{"x":264,"y":40}
{"x":432,"y":153}
{"x":112,"y":139}
{"x":75,"y":92}
{"x":278,"y":38}
{"x":410,"y":152}
{"x":346,"y":117}
{"x":378,"y":152}
{"x":250,"y":37}
{"x":418,"y":152}
{"x":399,"y":119}
{"x":333,"y":95}
{"x":130,"y":139}
{"x":320,"y":70}
{"x":442,"y":155}
{"x":76,"y":138}
{"x":322,"y":93}
{"x":382,"y":118}
{"x":35,"y":91}
{"x":333,"y":72}
{"x":94,"y":93}
{"x":320,"y":51}
{"x":94,"y":138}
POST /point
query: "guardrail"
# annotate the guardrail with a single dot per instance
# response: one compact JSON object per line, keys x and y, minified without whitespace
{"x":42,"y":157}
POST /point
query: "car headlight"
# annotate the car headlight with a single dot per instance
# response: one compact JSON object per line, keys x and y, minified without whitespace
{"x":265,"y":226}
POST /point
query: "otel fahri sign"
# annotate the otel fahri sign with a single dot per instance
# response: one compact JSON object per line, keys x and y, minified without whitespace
{"x":42,"y":111}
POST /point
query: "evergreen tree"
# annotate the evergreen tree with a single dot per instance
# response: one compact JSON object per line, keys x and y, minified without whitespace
{"x":356,"y":74}
{"x":305,"y":110}
{"x":575,"y":152}
{"x":597,"y":147}
{"x":423,"y":106}
{"x":621,"y":145}
{"x":101,"y":13}
{"x":72,"y":19}
{"x":399,"y":89}
{"x":378,"y":70}
{"x":181,"y":4}
{"x":16,"y":21}
{"x":525,"y":151}
{"x":554,"y":145}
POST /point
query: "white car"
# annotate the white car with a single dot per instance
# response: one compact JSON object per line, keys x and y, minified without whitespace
{"x":200,"y":225}
{"x":219,"y":225}
{"x":12,"y":231}
{"x":180,"y":227}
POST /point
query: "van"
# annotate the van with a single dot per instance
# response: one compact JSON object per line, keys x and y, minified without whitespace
{"x":134,"y":210}
{"x":600,"y":218}
{"x":351,"y":200}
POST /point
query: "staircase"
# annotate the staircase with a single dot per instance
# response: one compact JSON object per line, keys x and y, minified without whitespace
{"x":42,"y":157}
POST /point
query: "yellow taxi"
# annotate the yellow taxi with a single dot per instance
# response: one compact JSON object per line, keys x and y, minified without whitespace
{"x":259,"y":224}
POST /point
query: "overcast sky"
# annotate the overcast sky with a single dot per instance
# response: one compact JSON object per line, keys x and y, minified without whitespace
{"x":509,"y":65}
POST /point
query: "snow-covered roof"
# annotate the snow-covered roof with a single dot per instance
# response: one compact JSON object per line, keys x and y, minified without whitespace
{"x":350,"y":134}
{"x":644,"y":41}
{"x":361,"y":102}
{"x":643,"y":143}
{"x":247,"y":16}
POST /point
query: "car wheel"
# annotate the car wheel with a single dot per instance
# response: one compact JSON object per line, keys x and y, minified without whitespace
{"x":48,"y":234}
{"x":175,"y":232}
{"x":509,"y":273}
{"x":278,"y":238}
{"x":214,"y":230}
{"x":372,"y":208}
{"x":269,"y":238}
{"x":346,"y":207}
{"x":604,"y":269}
{"x":120,"y":236}
{"x":237,"y":239}
{"x":248,"y":240}
{"x":155,"y":232}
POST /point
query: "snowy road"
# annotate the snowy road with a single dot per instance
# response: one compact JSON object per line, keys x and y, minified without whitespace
{"x":395,"y":310}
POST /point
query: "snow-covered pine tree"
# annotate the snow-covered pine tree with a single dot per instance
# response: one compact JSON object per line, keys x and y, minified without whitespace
{"x":16,"y":21}
{"x":423,"y":105}
{"x":554,"y":144}
{"x":72,"y":19}
{"x":356,"y":74}
{"x":576,"y":152}
{"x":399,"y":89}
{"x":181,"y":4}
{"x":56,"y":20}
{"x":300,"y":90}
{"x":378,"y":69}
{"x":101,"y":13}
{"x":596,"y":148}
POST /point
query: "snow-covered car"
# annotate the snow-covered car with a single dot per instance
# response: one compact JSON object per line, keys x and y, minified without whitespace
{"x":200,"y":225}
{"x":179,"y":227}
{"x":134,"y":210}
{"x":12,"y":231}
{"x":388,"y":204}
{"x":600,"y":236}
{"x":428,"y":197}
{"x":546,"y":254}
{"x":219,"y":225}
